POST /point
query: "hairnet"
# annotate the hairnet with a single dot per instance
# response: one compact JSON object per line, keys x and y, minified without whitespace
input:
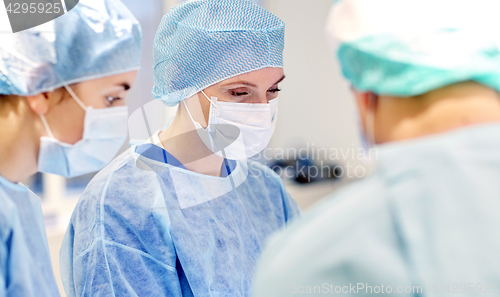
{"x":202,"y":42}
{"x":97,"y":38}
{"x":407,"y":48}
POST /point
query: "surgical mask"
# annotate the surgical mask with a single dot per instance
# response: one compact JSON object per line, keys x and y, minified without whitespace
{"x":105,"y":131}
{"x":237,"y":130}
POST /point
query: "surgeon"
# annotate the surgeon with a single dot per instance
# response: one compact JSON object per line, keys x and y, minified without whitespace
{"x":62,"y":92}
{"x":186,"y":213}
{"x":426,"y":77}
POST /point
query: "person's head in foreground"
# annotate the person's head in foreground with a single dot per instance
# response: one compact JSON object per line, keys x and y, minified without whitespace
{"x":62,"y":91}
{"x":185,"y":213}
{"x":426,"y":76}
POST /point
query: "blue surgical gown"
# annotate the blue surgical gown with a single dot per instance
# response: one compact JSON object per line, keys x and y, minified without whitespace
{"x":25,"y":266}
{"x":145,"y":226}
{"x":426,"y":223}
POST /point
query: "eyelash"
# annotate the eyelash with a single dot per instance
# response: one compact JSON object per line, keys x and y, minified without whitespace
{"x":111,"y":99}
{"x":246,"y":93}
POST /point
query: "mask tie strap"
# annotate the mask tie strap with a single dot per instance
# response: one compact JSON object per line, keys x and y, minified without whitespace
{"x":187,"y":109}
{"x":44,"y":121}
{"x":212,"y":143}
{"x":194,"y":122}
{"x":208,"y":99}
{"x":70,"y":91}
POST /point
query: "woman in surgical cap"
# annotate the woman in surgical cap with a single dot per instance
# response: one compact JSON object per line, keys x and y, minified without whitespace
{"x":186,"y":213}
{"x":62,"y":90}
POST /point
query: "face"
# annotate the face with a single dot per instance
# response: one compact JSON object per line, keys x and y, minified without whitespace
{"x":258,"y":87}
{"x":66,"y":117}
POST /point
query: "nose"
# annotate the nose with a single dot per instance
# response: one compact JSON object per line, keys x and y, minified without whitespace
{"x":262,"y":99}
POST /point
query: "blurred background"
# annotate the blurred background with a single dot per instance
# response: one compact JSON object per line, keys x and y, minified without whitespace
{"x":316,"y":144}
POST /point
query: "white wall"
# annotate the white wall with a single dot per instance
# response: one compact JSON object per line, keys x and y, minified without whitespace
{"x":316,"y":105}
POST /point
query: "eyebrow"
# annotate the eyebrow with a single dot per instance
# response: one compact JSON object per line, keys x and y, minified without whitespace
{"x":281,"y":79}
{"x":251,"y":85}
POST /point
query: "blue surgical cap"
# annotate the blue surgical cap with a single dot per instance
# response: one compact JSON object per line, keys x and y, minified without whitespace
{"x":411,"y":47}
{"x":97,"y":38}
{"x":202,"y":42}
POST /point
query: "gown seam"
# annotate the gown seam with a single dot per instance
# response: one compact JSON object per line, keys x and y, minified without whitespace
{"x":109,"y":242}
{"x":166,"y":266}
{"x":101,"y":217}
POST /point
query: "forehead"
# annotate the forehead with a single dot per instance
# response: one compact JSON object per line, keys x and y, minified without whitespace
{"x":262,"y":76}
{"x":126,"y":77}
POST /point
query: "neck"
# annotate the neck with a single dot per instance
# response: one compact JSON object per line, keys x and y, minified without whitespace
{"x":19,"y":141}
{"x":446,"y":109}
{"x":182,"y":141}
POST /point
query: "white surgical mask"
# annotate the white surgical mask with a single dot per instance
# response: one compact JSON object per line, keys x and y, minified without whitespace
{"x":238,"y":130}
{"x":105,"y":131}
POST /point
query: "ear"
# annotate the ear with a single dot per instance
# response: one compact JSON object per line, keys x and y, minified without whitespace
{"x":366,"y":101}
{"x":43,"y":102}
{"x":39,"y":104}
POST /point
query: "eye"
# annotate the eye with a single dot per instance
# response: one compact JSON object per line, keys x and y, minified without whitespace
{"x":234,"y":93}
{"x":275,"y":90}
{"x":110,"y":99}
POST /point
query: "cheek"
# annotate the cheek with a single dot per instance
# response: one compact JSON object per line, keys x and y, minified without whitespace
{"x":90,"y":96}
{"x":222,"y":97}
{"x":118,"y":103}
{"x":97,"y":101}
{"x":67,"y":123}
